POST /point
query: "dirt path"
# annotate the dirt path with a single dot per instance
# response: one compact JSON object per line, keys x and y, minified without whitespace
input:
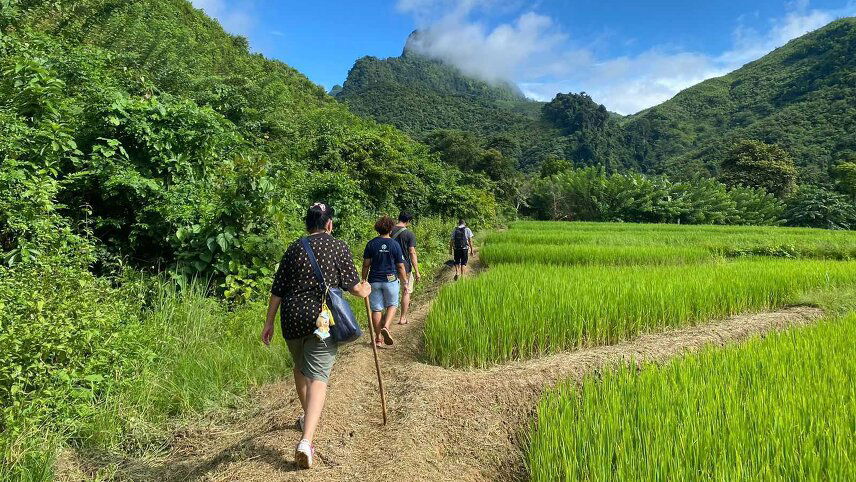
{"x":443,"y":424}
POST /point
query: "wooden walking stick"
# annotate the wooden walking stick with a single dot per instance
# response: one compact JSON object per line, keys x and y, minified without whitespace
{"x":376,"y":363}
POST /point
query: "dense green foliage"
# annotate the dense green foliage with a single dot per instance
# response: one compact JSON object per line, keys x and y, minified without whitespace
{"x":592,"y":195}
{"x":820,"y":208}
{"x":759,"y":165}
{"x":722,"y":414}
{"x":174,"y":144}
{"x":801,"y":96}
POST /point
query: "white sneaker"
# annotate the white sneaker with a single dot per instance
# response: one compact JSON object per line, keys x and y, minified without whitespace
{"x":301,"y":422}
{"x":304,"y":454}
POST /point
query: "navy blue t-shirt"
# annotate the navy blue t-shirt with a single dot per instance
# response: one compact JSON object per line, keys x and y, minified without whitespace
{"x":385,"y":253}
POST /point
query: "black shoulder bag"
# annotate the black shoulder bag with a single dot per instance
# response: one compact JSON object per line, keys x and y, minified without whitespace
{"x":344,"y":328}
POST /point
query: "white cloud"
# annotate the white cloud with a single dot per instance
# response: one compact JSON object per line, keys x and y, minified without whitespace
{"x":236,"y":17}
{"x":493,"y":54}
{"x":534,"y":51}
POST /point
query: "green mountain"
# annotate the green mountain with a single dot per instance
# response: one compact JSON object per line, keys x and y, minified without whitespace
{"x":419,"y":95}
{"x":171,"y":143}
{"x":801,"y":96}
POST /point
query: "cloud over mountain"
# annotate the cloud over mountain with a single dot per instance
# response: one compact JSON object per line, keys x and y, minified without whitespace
{"x":535,"y":51}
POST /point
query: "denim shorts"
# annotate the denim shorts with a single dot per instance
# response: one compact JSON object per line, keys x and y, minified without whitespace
{"x":384,"y":295}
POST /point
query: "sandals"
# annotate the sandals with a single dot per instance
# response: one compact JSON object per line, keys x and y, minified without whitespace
{"x":387,"y":338}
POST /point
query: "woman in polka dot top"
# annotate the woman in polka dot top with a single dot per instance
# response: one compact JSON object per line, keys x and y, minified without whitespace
{"x":298,"y":296}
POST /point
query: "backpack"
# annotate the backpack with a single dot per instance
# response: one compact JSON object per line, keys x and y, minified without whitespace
{"x":404,"y":250}
{"x":460,"y":238}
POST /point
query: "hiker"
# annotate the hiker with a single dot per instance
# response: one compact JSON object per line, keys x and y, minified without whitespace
{"x":383,"y":267}
{"x":461,"y":247}
{"x":296,"y":291}
{"x":407,"y":240}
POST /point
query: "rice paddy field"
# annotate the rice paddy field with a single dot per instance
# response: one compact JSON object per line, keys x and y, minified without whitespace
{"x":778,"y":408}
{"x":781,"y":407}
{"x":716,"y":241}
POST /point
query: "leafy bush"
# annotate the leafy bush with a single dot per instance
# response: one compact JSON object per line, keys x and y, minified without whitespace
{"x":759,"y":165}
{"x":66,"y":340}
{"x":591,"y":195}
{"x":817,"y":207}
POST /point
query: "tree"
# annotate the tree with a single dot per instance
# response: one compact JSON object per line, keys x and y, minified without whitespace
{"x":574,"y":112}
{"x":457,"y":148}
{"x":845,"y":174}
{"x":815,"y":207}
{"x":757,"y":164}
{"x":495,"y":165}
{"x":553,"y":166}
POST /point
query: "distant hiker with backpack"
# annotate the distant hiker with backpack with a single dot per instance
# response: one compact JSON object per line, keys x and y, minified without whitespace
{"x":407,"y":240}
{"x":461,"y":247}
{"x":383,"y":267}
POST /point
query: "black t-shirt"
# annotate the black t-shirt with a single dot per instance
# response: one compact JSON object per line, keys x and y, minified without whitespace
{"x":296,"y":284}
{"x":406,"y":240}
{"x":385,"y":254}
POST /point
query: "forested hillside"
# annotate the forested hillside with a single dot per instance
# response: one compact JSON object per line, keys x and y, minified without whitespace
{"x":801,"y":96}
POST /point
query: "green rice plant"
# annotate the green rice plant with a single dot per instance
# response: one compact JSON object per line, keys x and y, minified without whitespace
{"x":522,"y":311}
{"x":493,"y":254}
{"x":781,"y":407}
{"x":721,"y":240}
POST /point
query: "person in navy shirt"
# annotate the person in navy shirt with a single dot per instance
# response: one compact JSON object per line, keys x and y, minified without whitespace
{"x":383,"y":267}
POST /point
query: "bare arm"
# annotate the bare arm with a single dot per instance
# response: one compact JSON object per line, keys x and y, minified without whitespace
{"x":402,"y":271}
{"x":273,"y":307}
{"x":361,"y":289}
{"x":470,"y":242}
{"x":367,"y":264}
{"x":415,"y":261}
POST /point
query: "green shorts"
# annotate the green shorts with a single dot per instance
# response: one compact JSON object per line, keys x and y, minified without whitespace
{"x":313,"y":357}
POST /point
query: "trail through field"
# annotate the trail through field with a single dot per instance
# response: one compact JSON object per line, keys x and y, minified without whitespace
{"x":443,"y":424}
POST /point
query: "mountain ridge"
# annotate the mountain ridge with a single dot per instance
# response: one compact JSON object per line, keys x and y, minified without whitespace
{"x":779,"y":98}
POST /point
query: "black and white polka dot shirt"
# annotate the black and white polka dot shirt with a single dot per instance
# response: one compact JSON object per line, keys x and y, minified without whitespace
{"x":296,"y":284}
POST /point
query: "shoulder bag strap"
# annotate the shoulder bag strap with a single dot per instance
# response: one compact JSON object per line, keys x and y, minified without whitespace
{"x":397,"y":233}
{"x":314,"y":262}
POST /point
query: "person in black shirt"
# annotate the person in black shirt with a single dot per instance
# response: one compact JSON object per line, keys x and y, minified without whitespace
{"x":298,"y":297}
{"x":407,"y":240}
{"x":461,"y":247}
{"x":383,"y":267}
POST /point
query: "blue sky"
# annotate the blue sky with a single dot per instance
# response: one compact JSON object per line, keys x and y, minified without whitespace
{"x":628,"y":55}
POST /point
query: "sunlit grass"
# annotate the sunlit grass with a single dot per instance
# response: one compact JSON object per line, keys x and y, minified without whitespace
{"x":778,"y":408}
{"x":718,"y":240}
{"x":522,"y":311}
{"x":497,"y":253}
